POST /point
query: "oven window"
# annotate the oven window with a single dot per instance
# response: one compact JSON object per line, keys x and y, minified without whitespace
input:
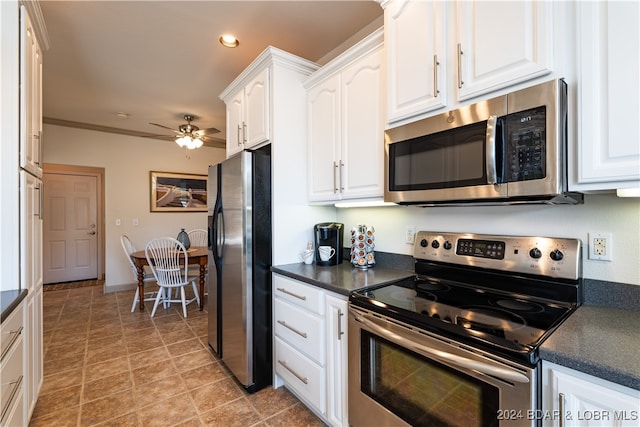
{"x":448,"y":159}
{"x":421,"y":391}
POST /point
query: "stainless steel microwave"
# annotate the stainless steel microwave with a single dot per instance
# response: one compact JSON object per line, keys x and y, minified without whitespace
{"x":505,"y":150}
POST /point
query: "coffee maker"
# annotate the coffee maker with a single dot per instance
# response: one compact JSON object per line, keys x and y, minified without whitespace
{"x":329,"y":234}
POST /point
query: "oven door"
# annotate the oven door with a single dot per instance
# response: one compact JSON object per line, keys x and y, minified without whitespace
{"x":399,"y":375}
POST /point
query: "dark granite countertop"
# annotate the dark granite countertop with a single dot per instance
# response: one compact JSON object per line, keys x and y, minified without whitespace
{"x":9,"y":300}
{"x":599,"y":341}
{"x":342,"y":278}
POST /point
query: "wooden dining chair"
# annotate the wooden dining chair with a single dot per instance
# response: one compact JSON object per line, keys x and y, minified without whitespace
{"x":168,"y":259}
{"x":198,"y":237}
{"x":129,"y":248}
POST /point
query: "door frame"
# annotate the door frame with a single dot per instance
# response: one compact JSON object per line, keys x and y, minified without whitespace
{"x":98,"y":173}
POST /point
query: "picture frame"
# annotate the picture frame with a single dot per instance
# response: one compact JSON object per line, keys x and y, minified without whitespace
{"x":178,"y":192}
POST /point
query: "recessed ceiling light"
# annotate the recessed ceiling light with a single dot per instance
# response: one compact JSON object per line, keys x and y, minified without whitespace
{"x":228,"y":40}
{"x":122,"y":115}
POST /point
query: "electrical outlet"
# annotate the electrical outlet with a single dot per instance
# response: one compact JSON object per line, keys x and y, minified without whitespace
{"x":409,"y":235}
{"x":600,"y":246}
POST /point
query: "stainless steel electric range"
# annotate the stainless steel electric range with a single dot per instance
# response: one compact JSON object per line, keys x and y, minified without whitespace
{"x":458,"y":343}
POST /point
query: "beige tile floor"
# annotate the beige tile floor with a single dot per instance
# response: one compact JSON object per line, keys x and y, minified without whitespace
{"x":106,"y":366}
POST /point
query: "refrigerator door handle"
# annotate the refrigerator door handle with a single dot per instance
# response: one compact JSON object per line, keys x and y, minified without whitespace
{"x":220,"y":237}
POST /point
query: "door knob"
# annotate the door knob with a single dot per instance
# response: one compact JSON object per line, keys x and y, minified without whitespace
{"x":92,"y":233}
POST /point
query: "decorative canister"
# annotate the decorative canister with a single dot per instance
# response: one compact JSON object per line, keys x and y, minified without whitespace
{"x":183,"y":238}
{"x":362,"y":244}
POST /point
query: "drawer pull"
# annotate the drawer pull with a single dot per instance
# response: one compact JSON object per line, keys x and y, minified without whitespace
{"x":295,"y":374}
{"x":291,"y":328}
{"x":16,"y":335}
{"x":14,"y":390}
{"x":302,"y":297}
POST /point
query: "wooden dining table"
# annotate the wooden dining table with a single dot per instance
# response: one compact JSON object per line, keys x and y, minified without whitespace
{"x":195,"y":255}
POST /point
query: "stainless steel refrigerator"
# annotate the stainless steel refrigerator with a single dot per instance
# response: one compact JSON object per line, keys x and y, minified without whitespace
{"x":239,"y":304}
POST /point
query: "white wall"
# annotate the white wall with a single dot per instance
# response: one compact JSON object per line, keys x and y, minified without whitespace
{"x":127,"y":162}
{"x":599,"y":213}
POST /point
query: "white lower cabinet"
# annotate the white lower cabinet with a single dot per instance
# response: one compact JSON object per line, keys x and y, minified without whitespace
{"x":310,"y":346}
{"x":573,"y":398}
{"x":12,"y":333}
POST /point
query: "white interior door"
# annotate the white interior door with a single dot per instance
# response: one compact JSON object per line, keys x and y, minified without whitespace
{"x":70,"y":232}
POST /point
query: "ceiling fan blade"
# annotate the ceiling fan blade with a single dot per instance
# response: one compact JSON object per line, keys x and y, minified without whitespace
{"x":207,"y":131}
{"x":206,"y":138}
{"x":165,"y":127}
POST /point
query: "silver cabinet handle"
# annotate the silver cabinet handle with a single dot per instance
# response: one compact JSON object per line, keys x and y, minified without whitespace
{"x":561,"y":409}
{"x":14,"y":390}
{"x":341,"y":180}
{"x":238,"y":135}
{"x":14,"y":338}
{"x":302,"y":297}
{"x":340,"y":333}
{"x":244,"y":132}
{"x":295,"y":374}
{"x":436,"y":92}
{"x":460,"y":53}
{"x":492,"y":175}
{"x":335,"y":181}
{"x":39,"y":189}
{"x":291,"y":328}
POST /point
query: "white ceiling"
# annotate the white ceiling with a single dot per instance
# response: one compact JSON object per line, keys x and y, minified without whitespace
{"x":159,"y":60}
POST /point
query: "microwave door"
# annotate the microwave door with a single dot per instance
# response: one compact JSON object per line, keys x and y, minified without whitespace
{"x":459,"y":161}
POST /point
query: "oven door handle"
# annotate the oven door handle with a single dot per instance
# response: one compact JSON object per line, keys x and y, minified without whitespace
{"x":446,"y":357}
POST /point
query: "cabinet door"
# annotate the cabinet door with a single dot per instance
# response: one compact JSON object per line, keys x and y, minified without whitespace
{"x":608,"y":95}
{"x":587,"y":401}
{"x":33,"y":348}
{"x":415,"y":48}
{"x":30,"y":231}
{"x":235,"y":130}
{"x":323,"y":140}
{"x":336,"y":319}
{"x":362,"y":142}
{"x":256,"y":117}
{"x":501,"y":43}
{"x":30,"y":97}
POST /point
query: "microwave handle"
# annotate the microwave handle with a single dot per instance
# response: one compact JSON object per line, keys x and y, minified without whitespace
{"x":492,"y":175}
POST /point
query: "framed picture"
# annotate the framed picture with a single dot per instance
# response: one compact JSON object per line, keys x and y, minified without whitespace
{"x":178,"y":192}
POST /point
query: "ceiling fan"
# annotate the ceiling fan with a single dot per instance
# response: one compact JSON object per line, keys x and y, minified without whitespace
{"x":191,"y":136}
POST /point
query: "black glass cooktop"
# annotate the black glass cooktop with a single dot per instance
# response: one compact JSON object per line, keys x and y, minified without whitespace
{"x":511,"y":322}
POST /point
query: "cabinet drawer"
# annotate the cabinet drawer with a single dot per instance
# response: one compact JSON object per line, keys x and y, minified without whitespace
{"x":11,"y":330}
{"x":303,"y":330}
{"x":300,"y":373}
{"x":298,"y":293}
{"x":11,"y":377}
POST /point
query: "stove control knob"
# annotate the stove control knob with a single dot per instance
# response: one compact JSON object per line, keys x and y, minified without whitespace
{"x":447,"y":245}
{"x":556,"y":255}
{"x":435,"y":244}
{"x":535,"y":253}
{"x":424,"y":243}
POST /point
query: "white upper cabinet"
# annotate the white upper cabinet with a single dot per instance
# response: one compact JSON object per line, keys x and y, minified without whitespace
{"x":415,"y":42}
{"x":441,"y":54}
{"x":345,"y":110}
{"x":608,"y":46}
{"x":30,"y":97}
{"x":248,"y":117}
{"x":501,"y":43}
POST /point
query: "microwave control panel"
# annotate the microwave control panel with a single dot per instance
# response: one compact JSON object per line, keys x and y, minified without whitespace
{"x":525,"y":136}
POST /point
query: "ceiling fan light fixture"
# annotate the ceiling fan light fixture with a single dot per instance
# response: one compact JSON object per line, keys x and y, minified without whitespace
{"x":228,"y":40}
{"x":189,"y":142}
